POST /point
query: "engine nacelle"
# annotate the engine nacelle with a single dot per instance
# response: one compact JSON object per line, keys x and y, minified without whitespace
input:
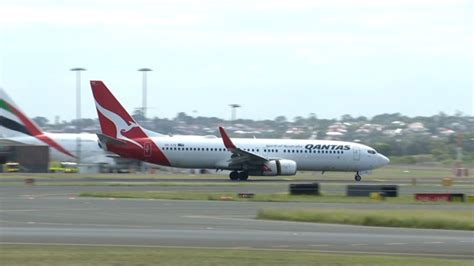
{"x":102,"y":145}
{"x":276,"y":167}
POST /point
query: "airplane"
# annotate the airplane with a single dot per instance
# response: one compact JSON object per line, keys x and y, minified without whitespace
{"x":243,"y":157}
{"x":16,"y":126}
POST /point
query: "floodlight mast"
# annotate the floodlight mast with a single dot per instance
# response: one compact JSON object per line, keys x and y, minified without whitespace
{"x":78,"y":71}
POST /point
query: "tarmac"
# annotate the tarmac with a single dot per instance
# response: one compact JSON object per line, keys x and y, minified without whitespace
{"x":55,"y":215}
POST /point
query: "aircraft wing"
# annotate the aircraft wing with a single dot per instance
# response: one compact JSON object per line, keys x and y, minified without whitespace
{"x":240,"y":156}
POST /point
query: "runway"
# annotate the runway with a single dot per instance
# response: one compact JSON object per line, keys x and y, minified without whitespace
{"x":49,"y":215}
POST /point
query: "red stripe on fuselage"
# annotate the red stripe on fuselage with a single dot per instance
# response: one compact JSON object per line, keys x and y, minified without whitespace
{"x":37,"y":133}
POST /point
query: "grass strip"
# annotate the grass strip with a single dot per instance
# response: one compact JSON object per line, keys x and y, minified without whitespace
{"x":27,"y":255}
{"x":429,"y":219}
{"x":264,"y":197}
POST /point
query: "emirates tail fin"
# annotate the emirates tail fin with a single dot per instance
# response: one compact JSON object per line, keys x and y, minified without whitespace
{"x":13,"y":122}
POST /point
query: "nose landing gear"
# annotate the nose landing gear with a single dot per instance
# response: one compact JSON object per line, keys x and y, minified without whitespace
{"x":357,"y":177}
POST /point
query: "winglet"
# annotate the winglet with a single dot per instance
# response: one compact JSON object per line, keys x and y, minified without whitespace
{"x":227,"y":142}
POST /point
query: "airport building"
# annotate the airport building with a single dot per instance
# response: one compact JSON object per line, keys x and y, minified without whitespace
{"x":31,"y":158}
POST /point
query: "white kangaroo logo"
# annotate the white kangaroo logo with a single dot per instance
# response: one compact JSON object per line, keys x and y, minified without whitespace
{"x":120,"y":124}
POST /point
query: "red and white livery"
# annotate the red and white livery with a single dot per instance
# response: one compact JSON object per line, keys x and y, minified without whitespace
{"x":122,"y":135}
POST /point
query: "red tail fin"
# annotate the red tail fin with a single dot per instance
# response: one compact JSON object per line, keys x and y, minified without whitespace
{"x":112,"y":116}
{"x":118,"y":125}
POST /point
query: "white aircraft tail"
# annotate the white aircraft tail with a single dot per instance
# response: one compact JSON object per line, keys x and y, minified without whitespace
{"x":13,"y":122}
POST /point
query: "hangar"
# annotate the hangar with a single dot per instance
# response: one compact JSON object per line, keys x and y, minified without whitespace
{"x":32,"y":158}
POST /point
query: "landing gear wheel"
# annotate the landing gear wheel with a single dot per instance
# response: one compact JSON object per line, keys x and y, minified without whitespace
{"x":357,"y":177}
{"x":243,"y":176}
{"x":234,"y":175}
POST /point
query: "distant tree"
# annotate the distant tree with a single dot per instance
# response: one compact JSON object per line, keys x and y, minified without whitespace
{"x":299,"y":120}
{"x":347,"y":118}
{"x":41,"y":121}
{"x":280,"y":119}
{"x":383,"y":148}
{"x":183,"y":117}
{"x":386,"y":118}
{"x":87,"y":122}
{"x":138,"y":115}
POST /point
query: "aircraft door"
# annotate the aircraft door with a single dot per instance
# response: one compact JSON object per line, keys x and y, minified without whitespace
{"x":356,"y":153}
{"x":147,"y":149}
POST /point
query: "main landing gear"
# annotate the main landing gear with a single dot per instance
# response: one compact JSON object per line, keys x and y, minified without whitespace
{"x":242,"y":175}
{"x":357,"y":177}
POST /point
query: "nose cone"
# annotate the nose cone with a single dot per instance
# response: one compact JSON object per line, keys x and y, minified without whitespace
{"x":383,"y":160}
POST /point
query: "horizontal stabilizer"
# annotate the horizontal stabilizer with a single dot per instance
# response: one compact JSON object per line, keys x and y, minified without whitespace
{"x":110,"y":140}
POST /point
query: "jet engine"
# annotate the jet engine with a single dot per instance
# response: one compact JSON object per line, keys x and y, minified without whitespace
{"x":276,"y":167}
{"x":102,"y":145}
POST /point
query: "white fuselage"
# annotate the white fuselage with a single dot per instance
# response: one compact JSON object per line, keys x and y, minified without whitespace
{"x":202,"y":152}
{"x":90,"y":152}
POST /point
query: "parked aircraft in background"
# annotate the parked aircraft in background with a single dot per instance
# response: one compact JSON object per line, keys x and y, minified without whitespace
{"x":16,"y":126}
{"x":121,"y":134}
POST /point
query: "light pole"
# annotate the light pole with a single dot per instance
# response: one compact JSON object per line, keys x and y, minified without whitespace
{"x":233,"y":111}
{"x":78,"y":71}
{"x":144,"y":86}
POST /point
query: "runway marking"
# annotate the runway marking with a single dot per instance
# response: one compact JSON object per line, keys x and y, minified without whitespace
{"x":321,"y":245}
{"x":26,"y":210}
{"x":394,"y":244}
{"x":46,"y":195}
{"x":466,"y":241}
{"x":80,"y":224}
{"x":433,"y":242}
{"x":356,"y":245}
{"x":466,"y":256}
{"x":253,"y":219}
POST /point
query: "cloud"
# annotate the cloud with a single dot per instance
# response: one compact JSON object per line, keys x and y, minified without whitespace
{"x":348,"y":4}
{"x":11,"y":16}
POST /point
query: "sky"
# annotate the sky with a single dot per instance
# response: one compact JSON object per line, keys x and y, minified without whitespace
{"x":273,"y":57}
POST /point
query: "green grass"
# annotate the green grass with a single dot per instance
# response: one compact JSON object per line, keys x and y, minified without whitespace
{"x":434,"y":219}
{"x":266,"y":197}
{"x":29,"y":255}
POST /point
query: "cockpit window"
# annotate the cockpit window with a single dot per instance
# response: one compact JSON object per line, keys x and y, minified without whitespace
{"x":371,"y":151}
